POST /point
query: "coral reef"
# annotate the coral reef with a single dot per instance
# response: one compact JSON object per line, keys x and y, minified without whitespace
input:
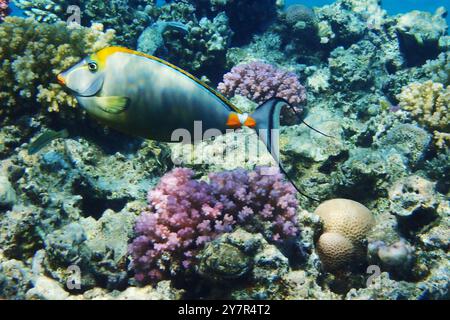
{"x":413,"y":201}
{"x":247,"y":17}
{"x":185,"y":214}
{"x":203,"y":50}
{"x":376,"y":84}
{"x":47,"y":289}
{"x":7,"y":193}
{"x":439,"y":70}
{"x":301,"y":17}
{"x":339,"y":24}
{"x":127,"y":17}
{"x":151,"y":40}
{"x":398,"y":258}
{"x":260,"y":81}
{"x":420,"y":33}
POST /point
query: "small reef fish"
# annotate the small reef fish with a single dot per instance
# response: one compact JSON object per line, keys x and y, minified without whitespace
{"x":45,"y":138}
{"x":142,"y":95}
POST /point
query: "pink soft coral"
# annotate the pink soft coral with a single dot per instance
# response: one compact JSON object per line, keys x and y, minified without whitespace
{"x":184,"y":214}
{"x":260,"y":81}
{"x":4,"y":9}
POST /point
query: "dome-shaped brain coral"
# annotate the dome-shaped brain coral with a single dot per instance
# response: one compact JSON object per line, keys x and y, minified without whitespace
{"x":347,"y":217}
{"x":346,"y":224}
{"x":302,"y":14}
{"x":335,"y":250}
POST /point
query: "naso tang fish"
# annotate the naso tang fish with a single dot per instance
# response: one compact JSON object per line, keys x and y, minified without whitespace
{"x":45,"y":139}
{"x":145,"y":96}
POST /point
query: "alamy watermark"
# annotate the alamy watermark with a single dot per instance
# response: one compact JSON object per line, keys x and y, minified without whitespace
{"x":375,"y":272}
{"x":228,"y":148}
{"x":75,"y":15}
{"x":74,"y":279}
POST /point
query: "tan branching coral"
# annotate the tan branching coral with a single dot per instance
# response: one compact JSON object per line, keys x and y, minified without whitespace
{"x":32,"y":54}
{"x":428,"y":103}
{"x":346,"y":224}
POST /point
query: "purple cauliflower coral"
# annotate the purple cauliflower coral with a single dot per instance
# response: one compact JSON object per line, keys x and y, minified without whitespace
{"x":264,"y":203}
{"x":259,"y":81}
{"x":184,"y":214}
{"x":4,"y":9}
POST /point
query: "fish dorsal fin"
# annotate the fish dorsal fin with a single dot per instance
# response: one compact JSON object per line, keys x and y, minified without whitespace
{"x":103,"y":54}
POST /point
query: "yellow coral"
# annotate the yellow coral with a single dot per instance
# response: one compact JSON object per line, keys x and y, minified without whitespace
{"x":428,"y":104}
{"x":441,"y":139}
{"x":54,"y":96}
{"x":33,"y":53}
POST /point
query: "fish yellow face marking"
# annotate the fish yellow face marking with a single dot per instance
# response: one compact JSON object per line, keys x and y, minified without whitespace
{"x":250,"y":122}
{"x":234,"y":121}
{"x":101,"y":57}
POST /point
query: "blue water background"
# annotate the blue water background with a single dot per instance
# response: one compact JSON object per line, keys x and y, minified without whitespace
{"x":391,"y":6}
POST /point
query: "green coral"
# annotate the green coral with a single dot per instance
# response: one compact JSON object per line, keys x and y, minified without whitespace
{"x":439,"y":70}
{"x":421,"y":35}
{"x":423,"y":26}
{"x":33,"y":53}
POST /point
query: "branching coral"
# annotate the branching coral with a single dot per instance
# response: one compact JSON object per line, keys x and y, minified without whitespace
{"x":260,"y":81}
{"x":439,"y":70}
{"x":33,"y":53}
{"x":185,"y":214}
{"x":428,"y":103}
{"x":4,"y":9}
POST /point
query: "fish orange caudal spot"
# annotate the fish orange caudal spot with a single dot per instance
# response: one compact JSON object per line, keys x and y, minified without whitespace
{"x":61,"y":79}
{"x":250,"y":122}
{"x":233,"y":121}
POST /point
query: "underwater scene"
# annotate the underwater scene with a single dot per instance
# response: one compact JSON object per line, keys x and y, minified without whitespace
{"x":224,"y":149}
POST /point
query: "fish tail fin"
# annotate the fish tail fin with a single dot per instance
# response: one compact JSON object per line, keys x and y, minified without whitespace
{"x":64,"y":133}
{"x":267,"y":119}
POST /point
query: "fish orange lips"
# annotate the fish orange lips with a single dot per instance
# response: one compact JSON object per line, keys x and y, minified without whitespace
{"x":61,"y":80}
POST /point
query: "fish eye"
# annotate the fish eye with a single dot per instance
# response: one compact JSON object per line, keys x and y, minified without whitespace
{"x":92,"y":66}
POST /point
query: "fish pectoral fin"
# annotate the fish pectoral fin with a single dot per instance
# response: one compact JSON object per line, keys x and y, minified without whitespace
{"x":113,"y":104}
